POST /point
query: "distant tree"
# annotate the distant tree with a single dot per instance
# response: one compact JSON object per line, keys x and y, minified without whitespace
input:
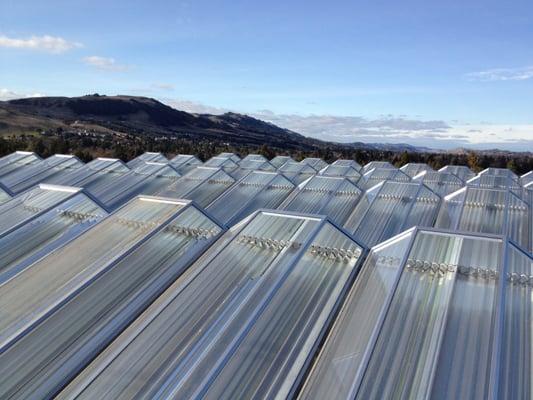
{"x":473,"y":162}
{"x":511,"y":164}
{"x":266,"y":151}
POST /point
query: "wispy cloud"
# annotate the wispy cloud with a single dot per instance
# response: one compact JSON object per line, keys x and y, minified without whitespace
{"x":6,"y":94}
{"x":49,"y":44}
{"x":193,"y":107}
{"x":163,"y":86}
{"x":502,"y":74}
{"x":105,"y":64}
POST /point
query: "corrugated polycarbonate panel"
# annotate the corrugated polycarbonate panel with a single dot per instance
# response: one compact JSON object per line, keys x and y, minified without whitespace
{"x":255,"y":191}
{"x":250,"y":159}
{"x":442,"y":183}
{"x":34,"y":202}
{"x":232,"y":156}
{"x":4,"y":195}
{"x":147,"y":157}
{"x":27,"y":177}
{"x":48,"y":283}
{"x":489,"y":211}
{"x":147,"y":178}
{"x":345,"y":171}
{"x":297,"y":172}
{"x":202,"y":184}
{"x":46,"y":232}
{"x":348,"y":163}
{"x":460,"y":171}
{"x":227,"y":164}
{"x":44,"y":360}
{"x":61,"y":169}
{"x":252,"y":165}
{"x":243,"y":322}
{"x":501,"y":172}
{"x":390,"y":208}
{"x":73,"y":177}
{"x":183,"y":163}
{"x":17,"y":160}
{"x":331,"y":196}
{"x":495,"y":182}
{"x":278,"y":161}
{"x":316,"y":163}
{"x":377,"y":175}
{"x":376,"y":164}
{"x":412,"y":169}
{"x":431,"y":320}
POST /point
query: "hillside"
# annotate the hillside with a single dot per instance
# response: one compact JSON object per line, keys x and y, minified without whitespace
{"x":141,"y":116}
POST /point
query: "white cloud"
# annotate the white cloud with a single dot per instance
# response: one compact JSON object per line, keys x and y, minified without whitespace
{"x":503,"y":74}
{"x":105,"y":64}
{"x":193,"y":107}
{"x":163,"y":86}
{"x":388,"y":129}
{"x":50,"y":44}
{"x":6,"y":94}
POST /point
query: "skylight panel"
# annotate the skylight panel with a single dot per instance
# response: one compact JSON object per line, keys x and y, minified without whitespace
{"x":460,"y":171}
{"x":412,"y":169}
{"x":442,"y":183}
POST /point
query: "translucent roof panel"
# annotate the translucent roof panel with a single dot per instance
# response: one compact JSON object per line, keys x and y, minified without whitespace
{"x":461,"y":171}
{"x":413,"y":169}
{"x":46,"y":232}
{"x":390,"y":208}
{"x":331,"y":196}
{"x":243,"y":323}
{"x":377,"y":175}
{"x":232,"y":156}
{"x":147,"y":157}
{"x":429,"y":318}
{"x":202,"y":184}
{"x":526,"y":179}
{"x":278,"y":161}
{"x":183,"y":163}
{"x":297,"y":172}
{"x":493,"y":211}
{"x":252,"y":157}
{"x":32,"y":203}
{"x":146,"y":178}
{"x":99,"y":165}
{"x":348,"y":163}
{"x":42,"y":361}
{"x":31,"y":175}
{"x":345,"y":171}
{"x":316,"y":163}
{"x":43,"y":288}
{"x":16,"y":160}
{"x":376,"y":164}
{"x":227,"y":164}
{"x":255,"y":191}
{"x":495,"y":182}
{"x":442,"y":183}
{"x":501,"y":172}
{"x":248,"y":166}
{"x":4,"y":194}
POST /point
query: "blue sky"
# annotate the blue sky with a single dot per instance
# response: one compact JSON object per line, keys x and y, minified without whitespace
{"x":441,"y":74}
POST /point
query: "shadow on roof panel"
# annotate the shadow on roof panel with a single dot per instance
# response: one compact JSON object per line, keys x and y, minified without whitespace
{"x":297,"y":172}
{"x":390,"y":208}
{"x":345,"y":171}
{"x":183,"y":163}
{"x":243,"y":323}
{"x":348,"y":163}
{"x":278,"y":161}
{"x":316,"y":163}
{"x":423,"y":319}
{"x":331,"y":196}
{"x":118,"y":268}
